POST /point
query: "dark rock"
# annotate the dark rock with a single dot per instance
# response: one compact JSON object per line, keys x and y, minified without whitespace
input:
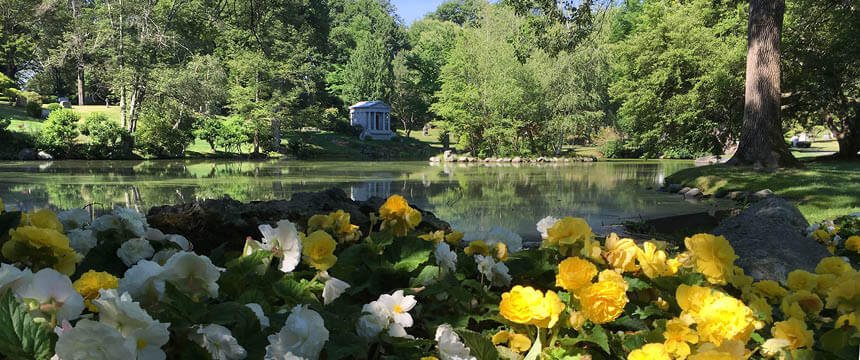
{"x":684,"y":190}
{"x":761,"y":194}
{"x":673,"y":188}
{"x":44,"y":156}
{"x":738,"y":195}
{"x":208,"y":223}
{"x":769,"y":240}
{"x":27,"y":154}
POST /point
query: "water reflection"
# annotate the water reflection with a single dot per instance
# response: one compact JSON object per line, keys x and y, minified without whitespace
{"x":470,"y":196}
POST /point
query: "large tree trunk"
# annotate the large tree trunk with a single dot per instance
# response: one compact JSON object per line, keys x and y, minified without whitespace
{"x":761,"y":140}
{"x":848,"y":136}
{"x":80,"y":75}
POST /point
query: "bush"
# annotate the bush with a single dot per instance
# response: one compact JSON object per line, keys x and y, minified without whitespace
{"x":34,"y":109}
{"x":619,"y":149}
{"x":13,"y":95}
{"x":158,"y":136}
{"x":4,"y":124}
{"x":60,"y":132}
{"x":54,"y":106}
{"x":208,"y":130}
{"x":11,"y":142}
{"x":6,"y":82}
{"x":105,"y":136}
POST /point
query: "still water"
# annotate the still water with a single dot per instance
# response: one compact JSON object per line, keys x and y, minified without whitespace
{"x":470,"y":197}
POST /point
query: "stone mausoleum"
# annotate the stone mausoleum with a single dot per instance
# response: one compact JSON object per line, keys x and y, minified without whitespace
{"x":374,"y":117}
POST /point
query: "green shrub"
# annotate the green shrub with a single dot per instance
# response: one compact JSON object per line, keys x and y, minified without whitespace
{"x":159,"y":137}
{"x":13,"y":95}
{"x":105,"y":136}
{"x":234,"y":132}
{"x":11,"y":142}
{"x":34,"y":109}
{"x":4,"y":125}
{"x":53,"y":106}
{"x":60,"y":132}
{"x":619,"y":149}
{"x":208,"y":130}
{"x":6,"y":82}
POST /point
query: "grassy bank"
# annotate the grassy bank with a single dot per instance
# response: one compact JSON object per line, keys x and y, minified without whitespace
{"x":821,"y":190}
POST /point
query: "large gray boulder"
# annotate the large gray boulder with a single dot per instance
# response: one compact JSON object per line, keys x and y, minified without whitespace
{"x":209,"y":223}
{"x":769,"y":239}
{"x":27,"y":154}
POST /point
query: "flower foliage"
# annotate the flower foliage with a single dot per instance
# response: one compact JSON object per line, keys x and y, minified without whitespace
{"x":323,"y":288}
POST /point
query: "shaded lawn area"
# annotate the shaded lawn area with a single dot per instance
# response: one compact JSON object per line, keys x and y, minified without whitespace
{"x":821,"y":191}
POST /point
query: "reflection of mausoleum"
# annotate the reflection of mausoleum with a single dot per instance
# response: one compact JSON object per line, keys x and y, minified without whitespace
{"x":374,"y":117}
{"x":363,"y":191}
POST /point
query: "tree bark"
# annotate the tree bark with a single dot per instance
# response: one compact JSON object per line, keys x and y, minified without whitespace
{"x":848,"y":138}
{"x":80,"y":76}
{"x":761,"y":141}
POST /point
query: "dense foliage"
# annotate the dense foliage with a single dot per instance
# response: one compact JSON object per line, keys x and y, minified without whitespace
{"x":331,"y":291}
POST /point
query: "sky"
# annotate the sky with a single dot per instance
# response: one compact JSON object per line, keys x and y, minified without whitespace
{"x":413,"y":10}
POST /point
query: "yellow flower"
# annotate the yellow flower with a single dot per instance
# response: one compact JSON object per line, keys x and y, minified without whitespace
{"x":794,"y":331}
{"x":320,"y":222}
{"x":525,"y":305}
{"x":621,"y":253}
{"x":346,"y":231}
{"x":500,"y":252}
{"x":825,"y":282}
{"x":318,"y":250}
{"x":603,"y":301}
{"x":653,"y":261}
{"x":436,"y":236}
{"x":714,"y":355}
{"x":569,"y":231}
{"x":762,"y":309}
{"x":576,"y":320}
{"x":654,"y":351}
{"x":612,"y":275}
{"x":454,"y":237}
{"x":517,"y":305}
{"x":851,"y":244}
{"x":429,"y":358}
{"x":678,"y":334}
{"x":739,"y":280}
{"x":821,"y":236}
{"x":770,"y":289}
{"x":807,"y":302}
{"x":547,"y":314}
{"x":833,"y":265}
{"x":723,"y":318}
{"x":661,"y":304}
{"x":398,"y":216}
{"x":44,"y":218}
{"x":801,"y":280}
{"x":2,"y":208}
{"x":89,"y":284}
{"x":714,"y":256}
{"x":575,"y":273}
{"x":518,"y":342}
{"x":52,"y":249}
{"x":845,"y":295}
{"x":849,"y":319}
{"x":692,"y":298}
{"x":477,"y":247}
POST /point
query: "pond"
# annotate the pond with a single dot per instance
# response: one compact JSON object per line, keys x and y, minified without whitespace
{"x":470,"y":197}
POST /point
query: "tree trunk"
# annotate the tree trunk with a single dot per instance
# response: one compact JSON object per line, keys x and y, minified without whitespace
{"x":80,"y":75}
{"x":848,"y":138}
{"x":276,"y":134}
{"x":761,"y":140}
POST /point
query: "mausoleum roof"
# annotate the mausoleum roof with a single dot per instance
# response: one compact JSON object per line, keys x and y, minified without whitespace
{"x":370,"y":104}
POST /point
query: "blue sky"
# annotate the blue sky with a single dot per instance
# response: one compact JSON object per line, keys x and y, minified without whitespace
{"x":412,"y":10}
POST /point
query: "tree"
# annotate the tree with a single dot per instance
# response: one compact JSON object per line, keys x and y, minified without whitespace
{"x":17,"y":21}
{"x":822,"y":69}
{"x":761,"y":140}
{"x":368,"y":76}
{"x":460,"y":12}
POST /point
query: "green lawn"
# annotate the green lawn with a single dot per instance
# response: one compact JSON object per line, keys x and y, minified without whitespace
{"x":818,"y":148}
{"x":821,"y":190}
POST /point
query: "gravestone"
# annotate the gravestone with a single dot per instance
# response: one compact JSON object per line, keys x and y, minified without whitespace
{"x":66,"y":104}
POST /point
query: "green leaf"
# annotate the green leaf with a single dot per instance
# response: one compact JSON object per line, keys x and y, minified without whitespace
{"x":536,"y":349}
{"x":596,"y":336}
{"x":648,"y":311}
{"x":479,"y":346}
{"x":636,"y":283}
{"x":20,"y":336}
{"x":835,"y":340}
{"x":8,"y":220}
{"x":293,"y":292}
{"x":508,"y":354}
{"x":181,"y":310}
{"x":413,"y":253}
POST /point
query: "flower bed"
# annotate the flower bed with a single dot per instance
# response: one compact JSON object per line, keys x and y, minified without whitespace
{"x":115,"y":288}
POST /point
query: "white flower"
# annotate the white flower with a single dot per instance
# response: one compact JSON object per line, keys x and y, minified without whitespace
{"x":395,"y":330}
{"x":192,"y":274}
{"x":11,"y":276}
{"x":49,"y":290}
{"x":93,"y":341}
{"x":163,"y":255}
{"x":134,"y":250}
{"x":153,"y":234}
{"x":374,"y":320}
{"x":485,"y":266}
{"x":251,"y":246}
{"x":398,"y":307}
{"x":512,"y":240}
{"x":180,"y":240}
{"x":258,"y":310}
{"x":132,"y":220}
{"x":121,"y":312}
{"x":450,"y":346}
{"x":836,"y":240}
{"x":445,"y":258}
{"x":333,"y":288}
{"x":544,"y":224}
{"x":82,"y":241}
{"x":106,"y":222}
{"x":302,"y":337}
{"x":74,"y":219}
{"x":142,"y":280}
{"x":501,"y":277}
{"x":284,"y":242}
{"x":149,"y":340}
{"x":219,"y":342}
